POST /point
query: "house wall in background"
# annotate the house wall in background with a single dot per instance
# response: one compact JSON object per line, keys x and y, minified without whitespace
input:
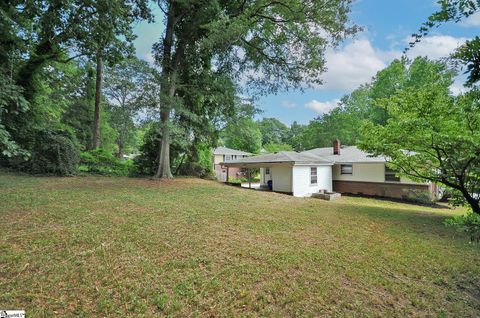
{"x":302,"y":186}
{"x":282,"y":179}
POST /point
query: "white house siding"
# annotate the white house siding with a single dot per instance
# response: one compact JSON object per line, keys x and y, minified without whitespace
{"x":364,"y":172}
{"x":281,"y":179}
{"x":301,"y":180}
{"x":367,"y":172}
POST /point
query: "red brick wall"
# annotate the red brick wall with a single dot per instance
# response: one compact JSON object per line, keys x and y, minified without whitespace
{"x":388,"y":190}
{"x":233,"y":172}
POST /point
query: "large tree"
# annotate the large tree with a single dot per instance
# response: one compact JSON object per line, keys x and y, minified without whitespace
{"x":266,"y":44}
{"x":273,"y":131}
{"x":431,"y":135}
{"x":243,"y":134}
{"x":37,"y":34}
{"x":125,"y":86}
{"x":110,"y":39}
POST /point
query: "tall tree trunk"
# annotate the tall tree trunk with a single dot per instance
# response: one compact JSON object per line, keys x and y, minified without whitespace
{"x":98,"y":98}
{"x":163,"y":170}
{"x":167,"y":93}
{"x":121,"y":148}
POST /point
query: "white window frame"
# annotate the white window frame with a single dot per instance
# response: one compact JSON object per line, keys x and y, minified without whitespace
{"x":267,"y":171}
{"x":313,"y":176}
{"x":228,"y":157}
{"x":346,"y":173}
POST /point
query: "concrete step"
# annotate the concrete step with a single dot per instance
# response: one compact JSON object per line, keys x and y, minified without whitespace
{"x":329,"y":196}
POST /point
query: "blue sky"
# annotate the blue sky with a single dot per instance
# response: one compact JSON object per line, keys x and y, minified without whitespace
{"x":387,"y":25}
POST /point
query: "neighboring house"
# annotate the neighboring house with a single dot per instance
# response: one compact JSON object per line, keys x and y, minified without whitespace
{"x":224,"y":154}
{"x":339,"y":169}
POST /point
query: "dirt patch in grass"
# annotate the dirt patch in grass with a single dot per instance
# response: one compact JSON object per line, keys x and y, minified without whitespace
{"x":97,"y":246}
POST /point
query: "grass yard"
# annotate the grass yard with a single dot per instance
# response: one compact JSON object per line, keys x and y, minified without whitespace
{"x":95,"y":246}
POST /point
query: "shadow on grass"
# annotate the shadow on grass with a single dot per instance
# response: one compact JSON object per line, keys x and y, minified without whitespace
{"x":427,"y":223}
{"x":433,"y":205}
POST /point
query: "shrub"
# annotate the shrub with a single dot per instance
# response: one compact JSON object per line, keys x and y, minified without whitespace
{"x":51,"y":152}
{"x":233,"y":180}
{"x":104,"y":163}
{"x":147,"y":162}
{"x":468,"y":223}
{"x":418,"y":196}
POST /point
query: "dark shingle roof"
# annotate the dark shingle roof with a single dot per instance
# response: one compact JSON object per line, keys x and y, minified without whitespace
{"x":349,"y":154}
{"x":280,"y":157}
{"x":228,"y":151}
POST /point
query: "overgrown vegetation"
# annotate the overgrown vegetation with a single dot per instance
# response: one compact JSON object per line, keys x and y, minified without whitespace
{"x":104,"y":163}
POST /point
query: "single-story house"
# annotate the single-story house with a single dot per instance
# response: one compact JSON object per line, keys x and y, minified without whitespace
{"x":224,"y":154}
{"x":339,"y":169}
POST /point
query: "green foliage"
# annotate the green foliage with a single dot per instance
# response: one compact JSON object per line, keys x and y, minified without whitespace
{"x":42,"y":90}
{"x":254,"y":41}
{"x":468,"y":223}
{"x":269,"y":35}
{"x":431,"y":135}
{"x":51,"y":152}
{"x":295,"y":136}
{"x":418,"y":196}
{"x":271,"y":147}
{"x":146,"y":162}
{"x":198,"y":164}
{"x":366,"y":103}
{"x":273,"y":131}
{"x":235,"y":181}
{"x":243,"y":134}
{"x":126,"y":85}
{"x":103,"y":162}
{"x":12,"y":102}
{"x":79,"y":113}
{"x":467,"y":54}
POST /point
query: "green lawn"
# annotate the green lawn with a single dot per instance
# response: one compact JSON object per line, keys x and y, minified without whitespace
{"x":95,"y":247}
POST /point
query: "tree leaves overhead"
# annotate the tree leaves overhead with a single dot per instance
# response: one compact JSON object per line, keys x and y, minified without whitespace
{"x":272,"y":45}
{"x":261,"y":45}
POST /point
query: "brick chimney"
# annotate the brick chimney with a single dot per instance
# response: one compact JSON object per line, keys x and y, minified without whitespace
{"x":336,"y":147}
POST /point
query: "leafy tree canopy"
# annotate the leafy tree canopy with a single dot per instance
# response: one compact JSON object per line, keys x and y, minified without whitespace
{"x":431,"y":135}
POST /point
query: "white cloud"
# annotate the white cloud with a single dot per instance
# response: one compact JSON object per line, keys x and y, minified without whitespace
{"x":435,"y":47}
{"x":355,"y":64}
{"x":322,"y":107}
{"x":288,"y":104}
{"x":472,"y":21}
{"x":458,"y":87}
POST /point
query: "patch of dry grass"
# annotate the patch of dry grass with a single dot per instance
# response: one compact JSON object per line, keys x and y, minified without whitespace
{"x":98,"y":246}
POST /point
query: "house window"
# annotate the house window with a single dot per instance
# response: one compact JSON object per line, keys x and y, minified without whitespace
{"x":313,"y":175}
{"x":391,"y":175}
{"x":346,"y":169}
{"x":228,"y":157}
{"x":267,"y":170}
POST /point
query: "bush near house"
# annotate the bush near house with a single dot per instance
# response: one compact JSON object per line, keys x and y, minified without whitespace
{"x":468,"y":223}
